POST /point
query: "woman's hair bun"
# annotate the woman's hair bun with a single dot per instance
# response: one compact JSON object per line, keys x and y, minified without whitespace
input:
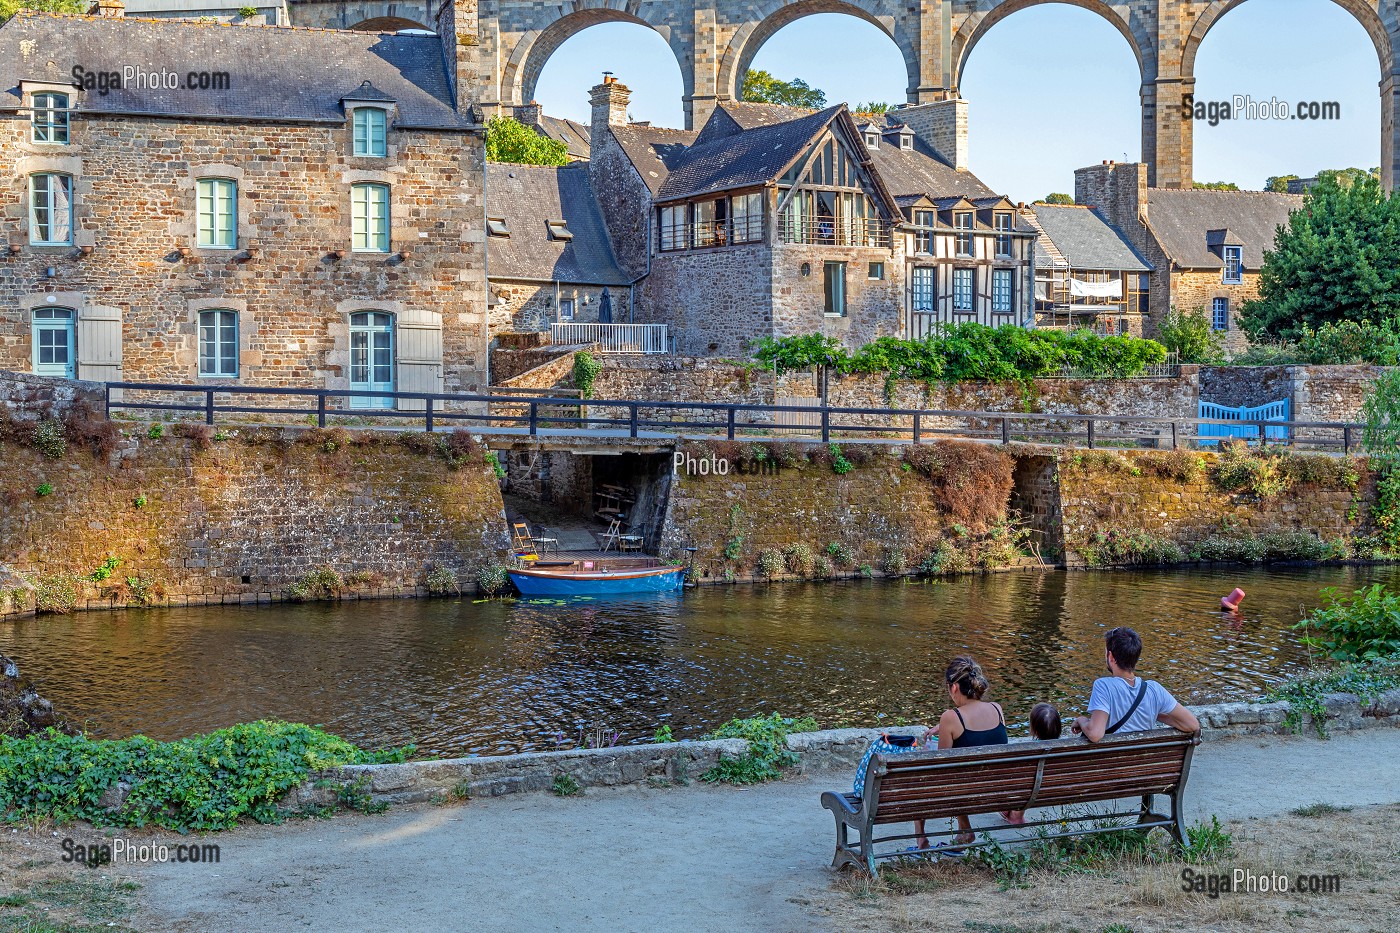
{"x":967,"y":674}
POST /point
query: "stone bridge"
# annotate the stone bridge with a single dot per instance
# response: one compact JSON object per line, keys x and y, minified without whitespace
{"x":714,"y":42}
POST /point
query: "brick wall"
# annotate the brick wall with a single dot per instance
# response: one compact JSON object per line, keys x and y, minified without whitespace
{"x":247,"y":517}
{"x":134,"y":205}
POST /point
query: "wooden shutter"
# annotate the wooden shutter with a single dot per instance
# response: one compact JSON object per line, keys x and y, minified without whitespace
{"x":419,"y":343}
{"x":99,"y":340}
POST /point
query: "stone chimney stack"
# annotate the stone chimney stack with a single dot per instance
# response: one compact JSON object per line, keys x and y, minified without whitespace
{"x":458,"y":28}
{"x":1117,"y":189}
{"x":941,"y":125}
{"x":115,"y":9}
{"x":609,"y":101}
{"x":529,"y":114}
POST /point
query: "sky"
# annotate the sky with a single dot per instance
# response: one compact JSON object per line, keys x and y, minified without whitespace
{"x":1051,"y":88}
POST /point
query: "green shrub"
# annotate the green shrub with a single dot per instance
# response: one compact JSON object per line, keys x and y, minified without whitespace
{"x":1305,"y":694}
{"x":1191,"y":337}
{"x":156,"y":431}
{"x":1180,"y":465}
{"x":49,"y":438}
{"x":895,"y":563}
{"x":204,"y":782}
{"x":57,"y":593}
{"x":586,"y":371}
{"x":1341,"y":342}
{"x":492,"y":579}
{"x":1113,"y":548}
{"x":1386,"y":511}
{"x":840,"y":554}
{"x":565,"y":786}
{"x":800,"y":559}
{"x":1269,"y":546}
{"x":839,"y":464}
{"x":1240,"y":469}
{"x":768,"y":753}
{"x":441,"y":581}
{"x":823,"y":569}
{"x":1364,"y":626}
{"x":945,"y":557}
{"x":495,"y":462}
{"x":43,"y":489}
{"x":321,"y":583}
{"x":771,"y":562}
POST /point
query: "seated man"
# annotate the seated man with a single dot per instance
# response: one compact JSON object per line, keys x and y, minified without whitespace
{"x":1126,"y":702}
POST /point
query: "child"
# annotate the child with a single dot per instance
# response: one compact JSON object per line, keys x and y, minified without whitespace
{"x":1045,"y":725}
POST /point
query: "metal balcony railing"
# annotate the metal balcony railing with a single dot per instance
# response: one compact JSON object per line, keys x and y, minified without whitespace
{"x":816,"y":231}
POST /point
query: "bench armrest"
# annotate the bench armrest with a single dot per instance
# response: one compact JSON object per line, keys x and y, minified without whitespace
{"x":839,"y":803}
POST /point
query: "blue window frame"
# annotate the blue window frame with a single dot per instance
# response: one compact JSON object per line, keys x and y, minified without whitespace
{"x":922,"y":289}
{"x":964,"y":291}
{"x":217,"y":213}
{"x":369,"y":218}
{"x":1001,"y":290}
{"x":49,"y":118}
{"x":371,"y":357}
{"x":369,"y":130}
{"x":54,"y":350}
{"x":1220,"y":314}
{"x":1234,"y":265}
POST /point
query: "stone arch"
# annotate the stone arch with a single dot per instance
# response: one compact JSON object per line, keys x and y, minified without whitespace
{"x":1116,"y":12}
{"x":773,"y":15}
{"x":1364,"y":12}
{"x":386,"y":24}
{"x":534,"y":48}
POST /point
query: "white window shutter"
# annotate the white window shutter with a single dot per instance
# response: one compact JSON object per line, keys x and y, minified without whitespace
{"x":419,"y":343}
{"x":99,"y":341}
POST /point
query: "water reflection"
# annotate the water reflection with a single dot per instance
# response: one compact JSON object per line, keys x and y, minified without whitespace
{"x":458,"y":677}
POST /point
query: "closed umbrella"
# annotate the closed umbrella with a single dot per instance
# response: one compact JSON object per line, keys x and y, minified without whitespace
{"x":605,"y":308}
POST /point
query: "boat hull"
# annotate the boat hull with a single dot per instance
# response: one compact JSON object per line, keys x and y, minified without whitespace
{"x":594,"y":583}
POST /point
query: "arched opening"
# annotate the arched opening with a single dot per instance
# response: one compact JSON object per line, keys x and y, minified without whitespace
{"x":1053,"y":88}
{"x":386,"y":24}
{"x":558,"y":65}
{"x":848,"y":50}
{"x":1258,"y":51}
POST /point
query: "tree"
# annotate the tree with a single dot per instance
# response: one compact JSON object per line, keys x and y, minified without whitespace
{"x":1057,"y":197}
{"x":874,"y":108}
{"x":1279,"y":183}
{"x":1337,"y":259}
{"x":509,"y":140}
{"x":1216,"y":186}
{"x":1190,"y":337}
{"x":9,"y":8}
{"x":760,"y":87}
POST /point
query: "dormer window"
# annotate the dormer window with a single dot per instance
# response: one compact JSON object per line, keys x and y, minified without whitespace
{"x":49,"y":117}
{"x":370,"y":132}
{"x":559,"y":230}
{"x":1234,"y":264}
{"x":906,"y":140}
{"x":872,"y":140}
{"x":497,"y":226}
{"x":1001,"y":221}
{"x":962,"y":220}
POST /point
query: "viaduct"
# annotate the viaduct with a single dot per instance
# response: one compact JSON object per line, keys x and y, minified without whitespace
{"x":714,"y":42}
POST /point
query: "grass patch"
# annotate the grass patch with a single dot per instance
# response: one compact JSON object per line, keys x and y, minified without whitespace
{"x":565,"y":786}
{"x":1319,"y":809}
{"x":84,"y":903}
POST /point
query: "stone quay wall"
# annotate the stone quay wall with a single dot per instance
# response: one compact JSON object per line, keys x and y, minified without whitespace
{"x":662,"y":765}
{"x":1316,"y":393}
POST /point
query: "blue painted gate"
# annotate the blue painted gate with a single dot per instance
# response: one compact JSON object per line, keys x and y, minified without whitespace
{"x":1272,"y":411}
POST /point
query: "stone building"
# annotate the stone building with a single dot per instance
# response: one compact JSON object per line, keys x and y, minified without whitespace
{"x":1087,"y":274}
{"x":274,"y":206}
{"x":548,"y":256}
{"x":1206,"y":247}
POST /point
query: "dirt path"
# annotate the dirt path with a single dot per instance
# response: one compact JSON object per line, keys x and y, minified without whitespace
{"x":638,"y":859}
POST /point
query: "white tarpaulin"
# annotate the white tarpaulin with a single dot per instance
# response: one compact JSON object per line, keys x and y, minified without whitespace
{"x":1080,"y":289}
{"x":1040,"y":291}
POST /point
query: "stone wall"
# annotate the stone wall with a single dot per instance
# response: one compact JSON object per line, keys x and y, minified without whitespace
{"x":1195,"y":290}
{"x":240,"y":519}
{"x":134,"y":205}
{"x":681,"y":378}
{"x":26,"y":397}
{"x":874,"y":307}
{"x":523,"y":307}
{"x":1035,"y":497}
{"x":715,"y":302}
{"x":1316,"y":393}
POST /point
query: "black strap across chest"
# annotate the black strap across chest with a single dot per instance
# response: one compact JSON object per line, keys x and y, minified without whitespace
{"x":1137,"y":701}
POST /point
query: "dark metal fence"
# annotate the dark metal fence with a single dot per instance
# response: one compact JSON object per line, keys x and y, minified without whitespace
{"x":534,"y":415}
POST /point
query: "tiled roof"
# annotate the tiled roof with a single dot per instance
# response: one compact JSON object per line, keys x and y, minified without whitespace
{"x":917,"y":171}
{"x":1183,"y":219}
{"x":748,"y":116}
{"x":653,"y":150}
{"x":275,"y":72}
{"x":575,"y":136}
{"x":744,"y":159}
{"x":528,"y":197}
{"x":1084,"y":239}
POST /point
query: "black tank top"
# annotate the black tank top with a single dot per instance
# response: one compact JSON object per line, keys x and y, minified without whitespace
{"x":972,"y":737}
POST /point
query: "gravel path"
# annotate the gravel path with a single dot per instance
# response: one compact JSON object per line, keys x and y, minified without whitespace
{"x":696,"y":858}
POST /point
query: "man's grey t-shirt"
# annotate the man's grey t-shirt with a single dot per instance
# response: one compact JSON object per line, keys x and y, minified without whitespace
{"x":1114,"y":696}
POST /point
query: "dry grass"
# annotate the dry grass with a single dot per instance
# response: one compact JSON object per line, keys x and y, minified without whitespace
{"x":1132,"y":894}
{"x":40,"y":893}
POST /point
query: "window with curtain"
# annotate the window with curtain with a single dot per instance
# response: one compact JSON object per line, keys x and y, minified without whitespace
{"x":218,"y":343}
{"x":49,"y":118}
{"x":922,"y":287}
{"x":369,"y":218}
{"x":1001,"y":221}
{"x":834,"y":286}
{"x":50,"y":209}
{"x":1234,"y":265}
{"x":217,"y":213}
{"x":747,"y":217}
{"x":962,"y":220}
{"x":673,"y":233}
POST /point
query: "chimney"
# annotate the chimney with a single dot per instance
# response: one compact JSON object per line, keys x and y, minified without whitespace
{"x":529,"y":114}
{"x":609,"y":101}
{"x":942,"y":126}
{"x":458,"y":28}
{"x":1118,"y":190}
{"x":111,"y":8}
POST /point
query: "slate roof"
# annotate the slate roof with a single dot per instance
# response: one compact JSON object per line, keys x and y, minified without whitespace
{"x":654,"y":150}
{"x":748,"y":158}
{"x":528,"y":197}
{"x":1084,"y":239}
{"x":575,"y":136}
{"x":748,"y":116}
{"x":918,"y":171}
{"x":1183,"y":219}
{"x":275,"y":72}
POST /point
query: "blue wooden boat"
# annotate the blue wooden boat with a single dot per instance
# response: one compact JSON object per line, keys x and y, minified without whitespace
{"x":577,"y":581}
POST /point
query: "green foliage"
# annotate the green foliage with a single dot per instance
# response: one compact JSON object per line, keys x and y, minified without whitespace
{"x":1191,"y":337}
{"x":1305,"y":695}
{"x":247,"y":11}
{"x":800,"y":559}
{"x":768,"y":753}
{"x":1279,"y":183}
{"x":839,"y":464}
{"x":1180,"y":465}
{"x":356,"y":796}
{"x":43,"y":489}
{"x":1216,"y":186}
{"x":1114,"y":548}
{"x":1267,"y":547}
{"x":493,"y":579}
{"x":663,"y":735}
{"x":142,"y":591}
{"x":1337,"y":259}
{"x":509,"y":140}
{"x":760,"y":87}
{"x":156,"y":431}
{"x":56,"y":593}
{"x":840,"y":554}
{"x":1268,"y":353}
{"x":1386,"y":511}
{"x":1240,"y":469}
{"x":50,"y":439}
{"x":586,"y":370}
{"x":1364,"y":626}
{"x":1343,"y":342}
{"x":970,"y":351}
{"x":735,"y":547}
{"x":441,"y":581}
{"x":1207,"y":842}
{"x":565,"y":786}
{"x":139,"y":502}
{"x":494,"y":461}
{"x":104,"y":570}
{"x":321,"y":583}
{"x":1381,"y":413}
{"x":1057,"y":197}
{"x":770,"y":562}
{"x":945,"y":557}
{"x":204,"y":782}
{"x":9,"y":8}
{"x":874,"y":108}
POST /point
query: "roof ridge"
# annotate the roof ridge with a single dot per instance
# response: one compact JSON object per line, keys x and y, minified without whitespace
{"x":206,"y":23}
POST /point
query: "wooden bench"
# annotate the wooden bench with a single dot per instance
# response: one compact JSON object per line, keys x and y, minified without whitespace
{"x":936,"y":785}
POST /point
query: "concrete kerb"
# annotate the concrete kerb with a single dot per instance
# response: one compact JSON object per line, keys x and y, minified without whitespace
{"x":679,"y":762}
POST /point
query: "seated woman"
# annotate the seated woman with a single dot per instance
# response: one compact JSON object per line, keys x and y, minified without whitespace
{"x":971,"y":721}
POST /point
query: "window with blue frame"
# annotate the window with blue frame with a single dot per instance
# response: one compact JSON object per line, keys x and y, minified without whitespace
{"x":216,"y":213}
{"x":51,"y":209}
{"x":1220,"y":314}
{"x":369,"y":218}
{"x":370,"y":131}
{"x":1234,"y":265}
{"x":53,"y":344}
{"x":49,"y":118}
